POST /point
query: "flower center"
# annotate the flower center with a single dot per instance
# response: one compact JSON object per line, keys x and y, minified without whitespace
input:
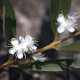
{"x":64,"y":24}
{"x":17,"y":47}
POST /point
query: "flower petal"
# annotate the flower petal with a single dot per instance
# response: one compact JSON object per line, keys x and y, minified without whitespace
{"x":71,"y":29}
{"x":60,"y":18}
{"x":19,"y":55}
{"x":21,"y":39}
{"x":24,"y":46}
{"x":12,"y":51}
{"x":39,"y":57}
{"x":35,"y":56}
{"x":28,"y":38}
{"x":60,"y":29}
{"x":32,"y":48}
{"x":14,"y":41}
{"x":42,"y":59}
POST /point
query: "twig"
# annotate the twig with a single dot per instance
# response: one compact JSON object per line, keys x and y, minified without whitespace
{"x":41,"y":50}
{"x":8,"y":63}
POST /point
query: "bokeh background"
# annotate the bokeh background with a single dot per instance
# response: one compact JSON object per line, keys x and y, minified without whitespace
{"x":32,"y":17}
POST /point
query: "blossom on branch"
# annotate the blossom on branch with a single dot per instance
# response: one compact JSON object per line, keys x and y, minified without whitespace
{"x":68,"y":22}
{"x":23,"y":46}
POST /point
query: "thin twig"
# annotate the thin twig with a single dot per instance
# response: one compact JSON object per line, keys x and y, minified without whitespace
{"x":8,"y":63}
{"x":41,"y":50}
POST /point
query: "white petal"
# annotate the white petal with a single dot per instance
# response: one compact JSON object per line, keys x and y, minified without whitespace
{"x":35,"y":56}
{"x":42,"y":59}
{"x":60,"y":18}
{"x":28,"y":38}
{"x":39,"y":57}
{"x":14,"y":41}
{"x":60,"y":29}
{"x":39,"y":54}
{"x":23,"y":45}
{"x":24,"y":48}
{"x":33,"y":48}
{"x":71,"y":29}
{"x":21,"y":39}
{"x":19,"y":55}
{"x":12,"y":51}
{"x":71,"y":19}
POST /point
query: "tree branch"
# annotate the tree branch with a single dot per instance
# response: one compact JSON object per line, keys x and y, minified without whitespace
{"x":40,"y":50}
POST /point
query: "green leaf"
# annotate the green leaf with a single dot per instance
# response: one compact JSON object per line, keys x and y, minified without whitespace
{"x":21,"y":77}
{"x":54,"y":65}
{"x":73,"y":48}
{"x":1,"y":4}
{"x":9,"y":21}
{"x":56,"y":7}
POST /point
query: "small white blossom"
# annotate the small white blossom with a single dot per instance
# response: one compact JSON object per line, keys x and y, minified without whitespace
{"x":16,"y":48}
{"x":27,"y":43}
{"x":29,"y":47}
{"x":22,"y":45}
{"x":68,"y":22}
{"x":39,"y":57}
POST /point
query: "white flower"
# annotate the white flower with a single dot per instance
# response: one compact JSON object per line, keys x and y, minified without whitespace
{"x":39,"y":57}
{"x":22,"y":45}
{"x":28,"y":46}
{"x":27,"y":43}
{"x":67,"y":23}
{"x":16,"y":48}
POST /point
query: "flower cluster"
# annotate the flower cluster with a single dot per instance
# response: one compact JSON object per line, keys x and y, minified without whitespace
{"x":25,"y":45}
{"x":68,"y":22}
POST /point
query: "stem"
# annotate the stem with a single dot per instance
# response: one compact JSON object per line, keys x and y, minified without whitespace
{"x":8,"y":63}
{"x":52,"y":45}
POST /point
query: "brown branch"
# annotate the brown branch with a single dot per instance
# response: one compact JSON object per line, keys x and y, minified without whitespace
{"x":9,"y":63}
{"x":16,"y":60}
{"x":41,"y":50}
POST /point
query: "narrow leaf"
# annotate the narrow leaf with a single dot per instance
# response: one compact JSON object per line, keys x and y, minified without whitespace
{"x":74,"y":47}
{"x":1,"y":4}
{"x":54,"y":65}
{"x":56,"y":7}
{"x":9,"y":21}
